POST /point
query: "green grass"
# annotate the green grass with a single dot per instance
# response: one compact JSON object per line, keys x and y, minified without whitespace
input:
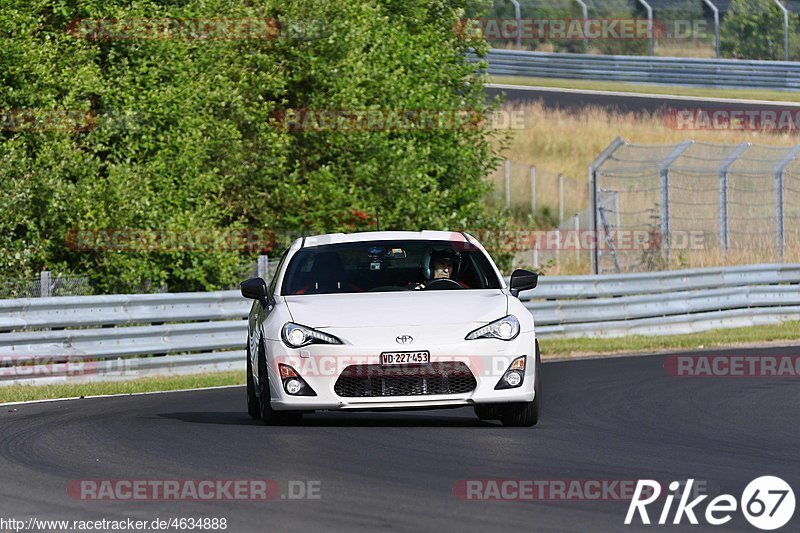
{"x":551,"y":349}
{"x":715,"y":338}
{"x":23,"y":393}
{"x":746,"y":94}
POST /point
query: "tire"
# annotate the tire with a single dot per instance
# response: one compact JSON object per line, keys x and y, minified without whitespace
{"x":487,"y":412}
{"x":526,"y":414}
{"x":269,"y":416}
{"x":253,"y":407}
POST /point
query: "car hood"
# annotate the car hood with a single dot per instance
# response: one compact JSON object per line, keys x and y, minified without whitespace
{"x":408,"y":308}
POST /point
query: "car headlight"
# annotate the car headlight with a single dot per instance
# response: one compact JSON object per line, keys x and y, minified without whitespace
{"x":297,"y":336}
{"x":504,"y":329}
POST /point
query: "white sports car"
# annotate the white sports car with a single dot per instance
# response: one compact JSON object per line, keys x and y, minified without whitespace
{"x":391,"y":320}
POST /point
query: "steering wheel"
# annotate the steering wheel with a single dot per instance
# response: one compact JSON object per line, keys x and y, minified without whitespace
{"x":443,"y":283}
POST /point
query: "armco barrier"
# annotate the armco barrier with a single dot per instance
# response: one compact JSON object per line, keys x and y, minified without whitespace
{"x":87,"y":338}
{"x":737,"y":73}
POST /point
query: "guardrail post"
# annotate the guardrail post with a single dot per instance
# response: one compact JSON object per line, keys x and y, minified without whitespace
{"x":533,"y":190}
{"x":663,"y":172}
{"x":585,"y":12}
{"x":560,"y":198}
{"x":508,"y":183}
{"x":593,"y":203}
{"x":649,"y":23}
{"x":716,"y":24}
{"x":518,"y":18}
{"x":785,"y":30}
{"x":45,"y":286}
{"x":263,"y":267}
{"x":779,"y":240}
{"x":723,"y":194}
{"x":779,"y":237}
{"x":577,"y":239}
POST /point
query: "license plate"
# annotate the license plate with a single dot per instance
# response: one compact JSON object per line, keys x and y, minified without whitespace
{"x":405,"y":358}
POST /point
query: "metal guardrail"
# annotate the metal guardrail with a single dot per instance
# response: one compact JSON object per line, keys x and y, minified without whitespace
{"x":662,"y":303}
{"x":736,"y":73}
{"x":86,"y":338}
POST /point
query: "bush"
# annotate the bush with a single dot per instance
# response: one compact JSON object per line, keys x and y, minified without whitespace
{"x":753,"y":29}
{"x":186,"y":137}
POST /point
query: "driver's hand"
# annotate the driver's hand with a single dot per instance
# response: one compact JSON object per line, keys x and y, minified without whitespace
{"x":419,"y":286}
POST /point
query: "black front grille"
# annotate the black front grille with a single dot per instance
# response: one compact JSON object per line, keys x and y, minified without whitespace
{"x":358,"y":381}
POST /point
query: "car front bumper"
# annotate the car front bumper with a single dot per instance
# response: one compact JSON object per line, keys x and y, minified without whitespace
{"x":321,"y":365}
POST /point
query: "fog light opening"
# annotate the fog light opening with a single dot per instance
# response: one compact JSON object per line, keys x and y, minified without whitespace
{"x":293,"y":386}
{"x":514,"y":375}
{"x":513,"y":378}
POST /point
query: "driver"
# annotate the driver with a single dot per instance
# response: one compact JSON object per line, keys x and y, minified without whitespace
{"x":441,"y":264}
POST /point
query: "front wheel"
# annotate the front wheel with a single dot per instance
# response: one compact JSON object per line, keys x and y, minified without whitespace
{"x":253,"y":409}
{"x":526,"y":414}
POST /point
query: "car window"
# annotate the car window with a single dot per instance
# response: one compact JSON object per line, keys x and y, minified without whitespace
{"x":384,"y":266}
{"x":274,"y":282}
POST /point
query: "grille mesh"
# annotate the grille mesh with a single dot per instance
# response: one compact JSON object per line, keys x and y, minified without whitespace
{"x":358,"y":381}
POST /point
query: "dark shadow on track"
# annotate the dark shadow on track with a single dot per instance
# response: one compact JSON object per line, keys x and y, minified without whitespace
{"x":213,"y":417}
{"x":336,"y":419}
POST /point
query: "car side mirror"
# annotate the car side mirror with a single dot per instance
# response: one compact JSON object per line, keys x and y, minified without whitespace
{"x":255,"y":289}
{"x":523,"y":280}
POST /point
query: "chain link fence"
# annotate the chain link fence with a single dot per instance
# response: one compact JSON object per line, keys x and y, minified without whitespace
{"x":694,"y":204}
{"x":45,"y":285}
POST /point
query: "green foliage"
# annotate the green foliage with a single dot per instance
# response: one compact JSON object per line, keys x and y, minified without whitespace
{"x":562,"y":11}
{"x":754,"y":29}
{"x":186,"y":137}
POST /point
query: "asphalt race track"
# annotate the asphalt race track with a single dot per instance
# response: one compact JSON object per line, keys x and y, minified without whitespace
{"x":606,"y":419}
{"x":576,"y":100}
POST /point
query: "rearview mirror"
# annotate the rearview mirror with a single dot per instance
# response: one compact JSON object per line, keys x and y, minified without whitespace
{"x":523,"y":280}
{"x":255,"y":289}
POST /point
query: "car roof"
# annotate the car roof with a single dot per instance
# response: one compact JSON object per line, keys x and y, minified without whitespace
{"x":425,"y":235}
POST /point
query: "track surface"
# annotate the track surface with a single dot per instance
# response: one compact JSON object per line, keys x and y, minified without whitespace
{"x":576,"y":100}
{"x":621,"y":418}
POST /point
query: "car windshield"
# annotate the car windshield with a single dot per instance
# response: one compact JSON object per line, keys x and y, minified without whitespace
{"x":375,"y":266}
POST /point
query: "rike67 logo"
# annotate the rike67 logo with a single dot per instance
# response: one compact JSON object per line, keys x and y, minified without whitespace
{"x":767,"y":503}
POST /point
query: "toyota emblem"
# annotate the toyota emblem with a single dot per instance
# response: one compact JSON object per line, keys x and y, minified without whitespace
{"x":404,"y":339}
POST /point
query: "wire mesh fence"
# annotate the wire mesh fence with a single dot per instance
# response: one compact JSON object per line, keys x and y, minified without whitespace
{"x":45,"y":285}
{"x":695,"y":204}
{"x":525,"y":190}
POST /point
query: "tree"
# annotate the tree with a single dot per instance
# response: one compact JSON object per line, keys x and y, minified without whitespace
{"x":754,"y":29}
{"x":182,"y":132}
